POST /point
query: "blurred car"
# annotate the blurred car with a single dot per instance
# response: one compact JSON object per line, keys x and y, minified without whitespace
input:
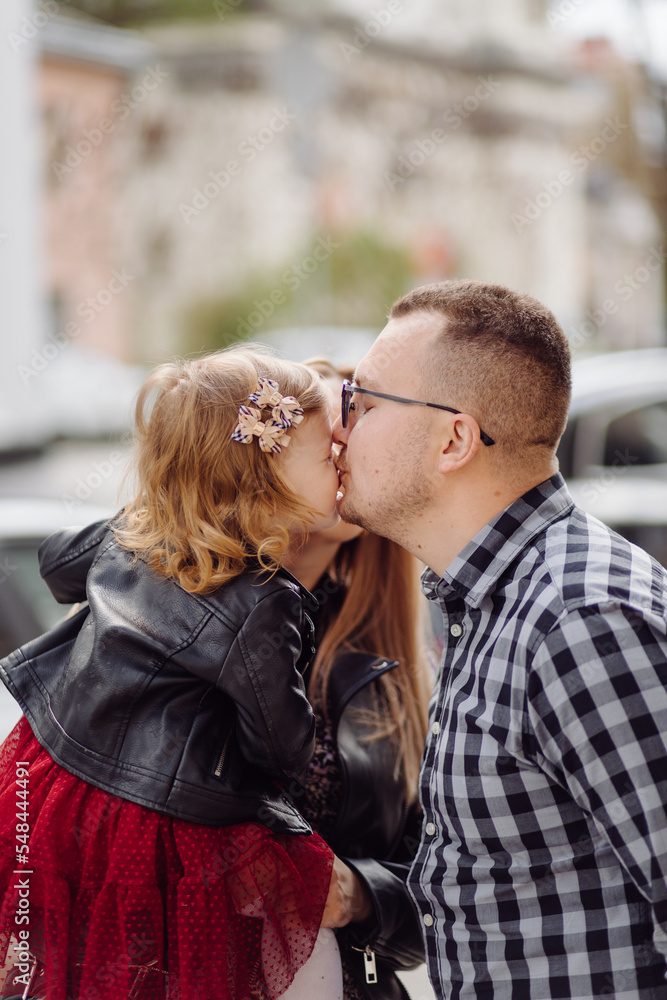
{"x":618,"y":416}
{"x":27,"y":607}
{"x":613,"y":453}
{"x":78,"y":394}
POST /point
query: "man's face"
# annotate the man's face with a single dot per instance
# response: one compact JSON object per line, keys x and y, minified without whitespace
{"x":389,"y":449}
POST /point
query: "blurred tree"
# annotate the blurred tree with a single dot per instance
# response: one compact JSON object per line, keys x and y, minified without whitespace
{"x":354,"y":284}
{"x":134,"y":13}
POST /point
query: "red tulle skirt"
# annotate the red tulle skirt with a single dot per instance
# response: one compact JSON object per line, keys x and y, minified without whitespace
{"x":116,"y":901}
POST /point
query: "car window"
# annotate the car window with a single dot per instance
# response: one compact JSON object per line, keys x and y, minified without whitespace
{"x":638,"y":437}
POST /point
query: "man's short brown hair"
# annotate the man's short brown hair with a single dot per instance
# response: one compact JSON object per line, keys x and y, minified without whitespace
{"x":502,"y":357}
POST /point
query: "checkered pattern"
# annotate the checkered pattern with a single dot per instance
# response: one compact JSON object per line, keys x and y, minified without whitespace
{"x":542,"y":871}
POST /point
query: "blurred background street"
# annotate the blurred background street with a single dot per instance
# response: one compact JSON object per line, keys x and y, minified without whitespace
{"x":179,"y":175}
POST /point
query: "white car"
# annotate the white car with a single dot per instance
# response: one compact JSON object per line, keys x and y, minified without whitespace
{"x":614,"y":450}
{"x":618,"y":416}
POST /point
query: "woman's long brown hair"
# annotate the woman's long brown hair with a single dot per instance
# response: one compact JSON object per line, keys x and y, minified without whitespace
{"x":380,"y":614}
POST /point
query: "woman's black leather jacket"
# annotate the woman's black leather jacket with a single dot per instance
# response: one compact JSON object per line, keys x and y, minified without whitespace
{"x":184,"y":703}
{"x":375,"y":832}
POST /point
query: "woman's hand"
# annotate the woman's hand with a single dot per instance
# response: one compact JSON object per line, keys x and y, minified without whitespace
{"x":348,"y":900}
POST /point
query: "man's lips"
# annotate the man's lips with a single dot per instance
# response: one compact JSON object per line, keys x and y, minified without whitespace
{"x":341,"y":486}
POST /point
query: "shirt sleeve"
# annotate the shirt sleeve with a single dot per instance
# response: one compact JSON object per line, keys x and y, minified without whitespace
{"x":597,"y":701}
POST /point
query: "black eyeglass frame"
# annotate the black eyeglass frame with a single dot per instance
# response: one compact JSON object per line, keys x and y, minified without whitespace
{"x":349,"y":389}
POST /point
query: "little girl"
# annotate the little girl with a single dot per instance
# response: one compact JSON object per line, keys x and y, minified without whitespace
{"x":148,"y":846}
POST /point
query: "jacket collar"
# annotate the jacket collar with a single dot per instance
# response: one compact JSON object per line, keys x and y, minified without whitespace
{"x":309,"y":600}
{"x":476,"y":570}
{"x":350,"y":673}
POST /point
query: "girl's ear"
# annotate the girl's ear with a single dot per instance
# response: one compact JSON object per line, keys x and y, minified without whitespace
{"x":460,"y":444}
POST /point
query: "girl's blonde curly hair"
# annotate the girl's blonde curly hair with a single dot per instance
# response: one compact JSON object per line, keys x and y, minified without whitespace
{"x":206,"y":505}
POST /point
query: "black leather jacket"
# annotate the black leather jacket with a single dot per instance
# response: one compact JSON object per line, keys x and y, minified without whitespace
{"x":375,"y":832}
{"x":188,"y":704}
{"x":87,"y":720}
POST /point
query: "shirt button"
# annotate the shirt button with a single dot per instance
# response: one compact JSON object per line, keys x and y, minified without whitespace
{"x":456,"y":630}
{"x":428,"y":920}
{"x":435,"y":728}
{"x":430,"y":829}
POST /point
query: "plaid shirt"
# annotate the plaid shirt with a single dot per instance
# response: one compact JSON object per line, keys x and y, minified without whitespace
{"x":542,"y":870}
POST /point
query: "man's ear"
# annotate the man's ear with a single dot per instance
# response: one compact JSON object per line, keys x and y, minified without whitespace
{"x":460,"y":444}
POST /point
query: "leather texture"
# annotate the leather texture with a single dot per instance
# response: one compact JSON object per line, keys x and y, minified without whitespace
{"x":153,"y":669}
{"x":376,"y":833}
{"x":185,"y":703}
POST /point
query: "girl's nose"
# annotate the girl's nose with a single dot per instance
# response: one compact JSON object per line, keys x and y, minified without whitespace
{"x":340,"y":433}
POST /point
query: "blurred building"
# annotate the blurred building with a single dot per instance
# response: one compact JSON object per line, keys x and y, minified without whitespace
{"x":87,"y":73}
{"x":467,"y":132}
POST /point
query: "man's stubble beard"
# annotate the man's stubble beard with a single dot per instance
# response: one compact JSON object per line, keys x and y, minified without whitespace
{"x":393,"y":514}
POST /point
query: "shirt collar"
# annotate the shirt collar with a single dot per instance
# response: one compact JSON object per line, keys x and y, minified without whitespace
{"x":477,"y":568}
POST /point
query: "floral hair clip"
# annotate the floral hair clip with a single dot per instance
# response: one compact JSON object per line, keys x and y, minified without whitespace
{"x":271,"y":433}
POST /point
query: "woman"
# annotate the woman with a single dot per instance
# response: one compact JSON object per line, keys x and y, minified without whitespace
{"x":360,"y":792}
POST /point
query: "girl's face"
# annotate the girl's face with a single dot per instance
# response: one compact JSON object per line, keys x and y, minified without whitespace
{"x":308,"y":465}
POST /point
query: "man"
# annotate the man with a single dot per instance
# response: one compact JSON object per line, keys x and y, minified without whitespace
{"x":542,"y":867}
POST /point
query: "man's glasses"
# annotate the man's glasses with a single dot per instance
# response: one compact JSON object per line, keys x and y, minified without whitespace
{"x":349,"y":390}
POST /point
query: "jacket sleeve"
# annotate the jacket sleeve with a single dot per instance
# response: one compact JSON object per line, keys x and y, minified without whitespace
{"x":393,"y":930}
{"x":275,"y":723}
{"x":65,"y":558}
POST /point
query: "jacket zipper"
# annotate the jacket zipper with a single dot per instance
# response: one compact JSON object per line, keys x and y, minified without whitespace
{"x":223,"y":754}
{"x":369,"y":963}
